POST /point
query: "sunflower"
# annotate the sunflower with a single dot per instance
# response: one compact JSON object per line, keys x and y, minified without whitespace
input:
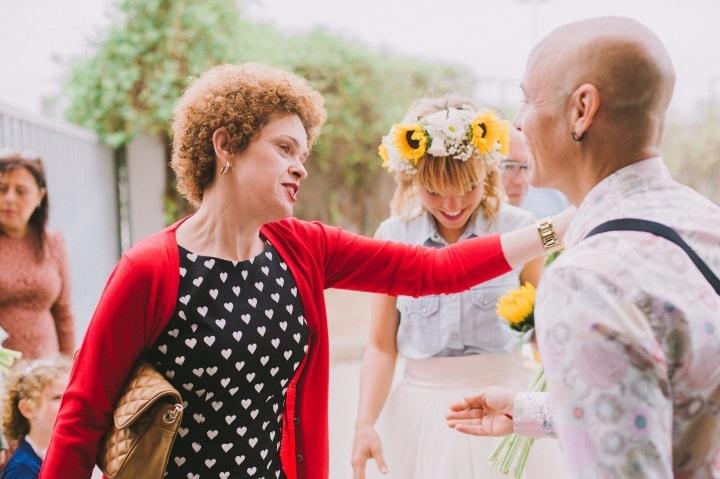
{"x":504,"y":137}
{"x":411,"y":142}
{"x":516,"y":307}
{"x":485,"y":132}
{"x":383,"y":152}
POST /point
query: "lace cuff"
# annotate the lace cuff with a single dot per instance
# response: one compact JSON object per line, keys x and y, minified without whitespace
{"x":532,"y":416}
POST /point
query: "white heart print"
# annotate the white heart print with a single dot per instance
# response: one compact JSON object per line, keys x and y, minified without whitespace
{"x":208,"y":350}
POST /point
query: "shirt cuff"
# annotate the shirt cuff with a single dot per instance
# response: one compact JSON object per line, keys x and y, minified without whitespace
{"x":531,"y":415}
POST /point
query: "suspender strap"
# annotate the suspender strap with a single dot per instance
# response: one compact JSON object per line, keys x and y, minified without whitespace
{"x":658,"y":229}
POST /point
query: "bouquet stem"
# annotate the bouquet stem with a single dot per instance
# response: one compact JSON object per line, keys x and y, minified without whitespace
{"x":503,"y":455}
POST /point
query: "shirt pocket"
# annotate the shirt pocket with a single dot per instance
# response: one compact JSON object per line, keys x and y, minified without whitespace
{"x":488,"y":329}
{"x":485,"y":296}
{"x":421,"y":313}
{"x":422,"y":331}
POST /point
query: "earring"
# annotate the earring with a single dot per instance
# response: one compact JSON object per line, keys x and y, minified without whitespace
{"x":575,"y":136}
{"x":225,"y":168}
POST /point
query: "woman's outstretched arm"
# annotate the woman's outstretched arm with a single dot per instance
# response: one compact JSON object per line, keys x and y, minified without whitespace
{"x":359,"y":263}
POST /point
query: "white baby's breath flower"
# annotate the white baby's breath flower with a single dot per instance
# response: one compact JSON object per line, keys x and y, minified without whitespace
{"x":437,"y":147}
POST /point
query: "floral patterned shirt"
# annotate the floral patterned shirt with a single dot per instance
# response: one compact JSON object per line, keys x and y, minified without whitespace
{"x":629,"y":331}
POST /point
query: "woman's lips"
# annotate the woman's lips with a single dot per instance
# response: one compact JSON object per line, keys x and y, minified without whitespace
{"x":452,"y":215}
{"x":292,"y":190}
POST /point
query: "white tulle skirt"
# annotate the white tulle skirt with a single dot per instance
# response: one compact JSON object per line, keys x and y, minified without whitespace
{"x":417,"y":443}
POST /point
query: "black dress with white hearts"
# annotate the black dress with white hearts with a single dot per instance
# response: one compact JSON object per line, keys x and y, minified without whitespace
{"x":234,"y":342}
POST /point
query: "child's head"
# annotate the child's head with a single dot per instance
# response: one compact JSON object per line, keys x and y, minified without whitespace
{"x":455,"y":172}
{"x":32,"y":397}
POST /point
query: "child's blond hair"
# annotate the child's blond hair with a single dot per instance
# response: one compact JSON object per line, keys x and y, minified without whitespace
{"x":29,"y":381}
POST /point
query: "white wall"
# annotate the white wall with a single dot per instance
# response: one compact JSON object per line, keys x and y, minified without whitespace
{"x":146,"y":161}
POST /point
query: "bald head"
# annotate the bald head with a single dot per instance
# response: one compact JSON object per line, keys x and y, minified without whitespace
{"x":623,"y":59}
{"x":596,"y":93}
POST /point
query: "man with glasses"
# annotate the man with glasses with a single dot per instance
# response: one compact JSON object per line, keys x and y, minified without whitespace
{"x":514,"y":171}
{"x":515,"y":179}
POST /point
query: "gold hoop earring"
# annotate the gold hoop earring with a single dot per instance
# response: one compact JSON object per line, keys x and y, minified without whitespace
{"x":225,"y":168}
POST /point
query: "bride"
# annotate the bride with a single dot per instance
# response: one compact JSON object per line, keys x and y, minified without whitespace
{"x":444,"y":156}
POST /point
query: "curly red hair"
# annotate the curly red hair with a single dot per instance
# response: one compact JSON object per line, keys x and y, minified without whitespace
{"x":240,"y":98}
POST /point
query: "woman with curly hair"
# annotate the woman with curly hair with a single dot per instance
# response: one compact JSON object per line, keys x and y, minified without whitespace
{"x":449,"y":342}
{"x":32,"y":399}
{"x":228,"y":303}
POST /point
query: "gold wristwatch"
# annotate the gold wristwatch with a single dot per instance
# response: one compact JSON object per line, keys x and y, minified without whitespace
{"x":551,"y":243}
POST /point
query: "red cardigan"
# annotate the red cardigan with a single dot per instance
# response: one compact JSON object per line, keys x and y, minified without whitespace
{"x":141,"y":294}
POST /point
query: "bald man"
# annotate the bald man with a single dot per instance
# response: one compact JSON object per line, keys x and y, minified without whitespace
{"x":515,"y":170}
{"x":628,"y":325}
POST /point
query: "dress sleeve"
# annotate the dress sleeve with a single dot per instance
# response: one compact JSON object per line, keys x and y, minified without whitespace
{"x":532,"y":416}
{"x":114,"y":341}
{"x":62,"y":309}
{"x":607,"y":378}
{"x":365,"y":264}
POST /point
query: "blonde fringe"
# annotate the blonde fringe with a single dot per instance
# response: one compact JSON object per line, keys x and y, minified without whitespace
{"x":447,"y":176}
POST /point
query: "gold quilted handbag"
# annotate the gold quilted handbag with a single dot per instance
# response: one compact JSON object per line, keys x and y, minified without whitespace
{"x":146,"y":419}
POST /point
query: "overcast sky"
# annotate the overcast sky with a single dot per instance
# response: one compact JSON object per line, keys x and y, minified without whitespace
{"x":491,"y":37}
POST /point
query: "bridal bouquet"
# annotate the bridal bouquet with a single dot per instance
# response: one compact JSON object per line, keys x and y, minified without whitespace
{"x":517,"y":307}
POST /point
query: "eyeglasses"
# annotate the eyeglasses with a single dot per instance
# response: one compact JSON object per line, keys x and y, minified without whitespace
{"x":513,"y":167}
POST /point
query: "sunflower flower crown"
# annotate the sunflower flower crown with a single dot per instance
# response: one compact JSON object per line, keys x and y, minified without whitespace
{"x":453,"y":132}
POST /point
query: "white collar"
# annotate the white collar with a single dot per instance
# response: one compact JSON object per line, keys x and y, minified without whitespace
{"x":612,"y":191}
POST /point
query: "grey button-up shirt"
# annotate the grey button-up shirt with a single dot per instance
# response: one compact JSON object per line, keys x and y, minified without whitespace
{"x":456,"y":324}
